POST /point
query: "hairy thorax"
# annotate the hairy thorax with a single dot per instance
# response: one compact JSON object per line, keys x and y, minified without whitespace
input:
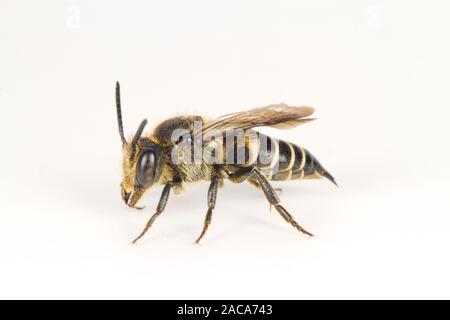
{"x":176,"y":136}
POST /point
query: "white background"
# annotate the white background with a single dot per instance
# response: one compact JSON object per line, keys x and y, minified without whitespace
{"x":377,"y":73}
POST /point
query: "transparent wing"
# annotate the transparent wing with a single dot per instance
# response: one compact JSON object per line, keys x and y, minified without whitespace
{"x":280,"y":116}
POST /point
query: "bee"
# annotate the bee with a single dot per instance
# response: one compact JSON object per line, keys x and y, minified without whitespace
{"x":188,"y":149}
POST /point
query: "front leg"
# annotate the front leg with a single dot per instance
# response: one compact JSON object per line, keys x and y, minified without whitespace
{"x":161,"y":206}
{"x":212,"y":196}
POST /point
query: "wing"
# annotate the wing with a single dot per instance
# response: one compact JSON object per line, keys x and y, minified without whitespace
{"x":280,"y":116}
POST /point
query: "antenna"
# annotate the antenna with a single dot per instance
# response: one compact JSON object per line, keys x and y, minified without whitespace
{"x":119,"y":113}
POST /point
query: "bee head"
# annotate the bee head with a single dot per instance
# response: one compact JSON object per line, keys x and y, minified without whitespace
{"x":141,"y":161}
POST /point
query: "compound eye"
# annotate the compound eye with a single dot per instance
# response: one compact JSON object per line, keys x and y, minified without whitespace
{"x":145,"y":171}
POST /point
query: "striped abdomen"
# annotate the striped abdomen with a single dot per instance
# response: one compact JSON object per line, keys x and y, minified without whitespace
{"x":281,"y":161}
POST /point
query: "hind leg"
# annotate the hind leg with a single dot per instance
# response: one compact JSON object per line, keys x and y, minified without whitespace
{"x":246,"y":174}
{"x":273,"y":199}
{"x":255,"y":182}
{"x":257,"y":178}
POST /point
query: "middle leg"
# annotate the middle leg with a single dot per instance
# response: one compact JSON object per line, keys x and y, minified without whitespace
{"x":212,"y":196}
